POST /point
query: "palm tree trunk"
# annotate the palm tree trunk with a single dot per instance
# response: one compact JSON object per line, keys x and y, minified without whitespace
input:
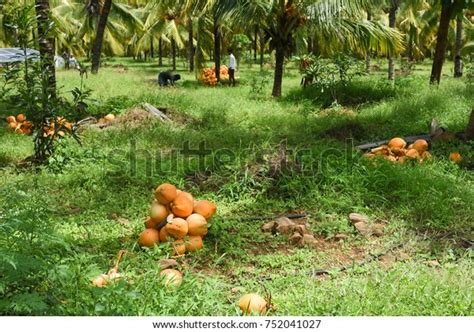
{"x":315,"y":49}
{"x":190,"y":44}
{"x":217,"y":49}
{"x":411,"y":43}
{"x":392,"y":16}
{"x":173,"y":52}
{"x":367,"y":55}
{"x":441,"y":40}
{"x":255,"y":44}
{"x":46,"y":44}
{"x":97,"y":49}
{"x":278,"y":79}
{"x":160,"y":52}
{"x":457,"y":47}
{"x":152,"y":48}
{"x":262,"y":49}
{"x":198,"y":55}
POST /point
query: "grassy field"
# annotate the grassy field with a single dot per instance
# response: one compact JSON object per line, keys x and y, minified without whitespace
{"x":64,"y":223}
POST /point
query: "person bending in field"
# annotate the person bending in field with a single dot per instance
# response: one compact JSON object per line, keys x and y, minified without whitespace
{"x":166,"y":78}
{"x":232,"y":65}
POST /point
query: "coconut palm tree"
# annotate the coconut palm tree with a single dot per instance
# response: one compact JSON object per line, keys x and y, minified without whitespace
{"x":77,"y":24}
{"x":46,"y":43}
{"x":449,"y":9}
{"x":458,"y":46}
{"x":414,"y":18}
{"x":165,"y":18}
{"x":392,"y":20}
{"x":102,"y":23}
{"x":338,"y":25}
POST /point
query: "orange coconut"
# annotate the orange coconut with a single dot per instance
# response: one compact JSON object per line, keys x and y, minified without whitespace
{"x":412,"y":154}
{"x":194,"y":243}
{"x":148,"y":238}
{"x":252,"y":304}
{"x":197,"y":225}
{"x":455,"y":157}
{"x":158,"y":212}
{"x":20,"y":118}
{"x":177,"y":228}
{"x":397,"y":142}
{"x":420,"y":145}
{"x":165,"y":193}
{"x":164,"y":236}
{"x":179,"y":247}
{"x":150,"y":223}
{"x":109,"y":117}
{"x":182,"y":205}
{"x":11,"y":119}
{"x":205,"y":208}
{"x":27,"y":124}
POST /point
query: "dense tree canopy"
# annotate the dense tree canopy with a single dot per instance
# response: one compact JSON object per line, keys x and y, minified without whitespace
{"x":286,"y":27}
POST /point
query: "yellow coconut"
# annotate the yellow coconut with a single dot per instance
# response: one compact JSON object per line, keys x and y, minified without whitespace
{"x":109,"y":117}
{"x":172,"y":277}
{"x":252,"y":304}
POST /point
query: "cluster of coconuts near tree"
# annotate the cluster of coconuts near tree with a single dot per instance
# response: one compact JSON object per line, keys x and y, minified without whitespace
{"x":397,"y":151}
{"x":208,"y":75}
{"x":21,"y":125}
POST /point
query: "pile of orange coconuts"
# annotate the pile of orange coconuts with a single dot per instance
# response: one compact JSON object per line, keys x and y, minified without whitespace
{"x":19,"y":124}
{"x":397,"y":151}
{"x":176,"y":217}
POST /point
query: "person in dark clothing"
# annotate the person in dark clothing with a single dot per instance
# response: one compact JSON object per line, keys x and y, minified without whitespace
{"x":166,"y":78}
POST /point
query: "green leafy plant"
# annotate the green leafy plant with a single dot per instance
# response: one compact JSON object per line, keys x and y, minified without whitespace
{"x":329,"y":74}
{"x":26,"y":87}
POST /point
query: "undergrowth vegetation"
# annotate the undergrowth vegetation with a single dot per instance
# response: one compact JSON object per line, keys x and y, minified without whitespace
{"x":64,"y":222}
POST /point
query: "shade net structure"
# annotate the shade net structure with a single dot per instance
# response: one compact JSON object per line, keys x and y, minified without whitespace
{"x":12,"y":55}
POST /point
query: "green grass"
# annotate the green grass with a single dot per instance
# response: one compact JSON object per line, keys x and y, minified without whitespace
{"x":60,"y":223}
